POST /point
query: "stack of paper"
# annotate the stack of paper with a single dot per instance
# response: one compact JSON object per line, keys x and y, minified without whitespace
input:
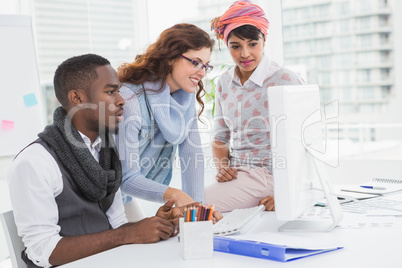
{"x":374,"y":187}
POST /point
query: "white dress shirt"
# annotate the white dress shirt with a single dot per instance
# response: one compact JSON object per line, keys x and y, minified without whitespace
{"x":35,"y":181}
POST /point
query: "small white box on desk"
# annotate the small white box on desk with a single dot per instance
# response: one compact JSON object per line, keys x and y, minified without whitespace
{"x":196,"y":239}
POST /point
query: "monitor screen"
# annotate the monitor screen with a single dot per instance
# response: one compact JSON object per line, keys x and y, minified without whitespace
{"x":296,"y":142}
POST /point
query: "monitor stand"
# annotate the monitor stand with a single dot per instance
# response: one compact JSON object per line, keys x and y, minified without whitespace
{"x":318,"y":225}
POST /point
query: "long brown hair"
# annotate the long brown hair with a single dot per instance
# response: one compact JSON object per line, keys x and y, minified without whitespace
{"x":156,"y":63}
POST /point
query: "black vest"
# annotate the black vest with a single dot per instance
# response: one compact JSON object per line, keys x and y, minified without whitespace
{"x":77,"y":214}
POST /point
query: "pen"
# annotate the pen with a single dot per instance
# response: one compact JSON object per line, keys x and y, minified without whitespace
{"x":373,"y":187}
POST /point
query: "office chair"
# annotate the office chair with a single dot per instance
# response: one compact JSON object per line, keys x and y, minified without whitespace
{"x":14,"y":242}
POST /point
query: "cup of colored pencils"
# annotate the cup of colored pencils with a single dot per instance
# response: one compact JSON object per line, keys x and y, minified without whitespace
{"x":196,"y":232}
{"x":201,"y":213}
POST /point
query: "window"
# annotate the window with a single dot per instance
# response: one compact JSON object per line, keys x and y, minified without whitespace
{"x":308,"y":61}
{"x":322,"y":28}
{"x":345,"y":60}
{"x":337,"y":41}
{"x":323,"y":44}
{"x":383,"y":20}
{"x":290,"y":32}
{"x":344,"y":77}
{"x":364,"y":75}
{"x":364,"y":5}
{"x":367,"y":93}
{"x":382,"y":3}
{"x":322,"y":11}
{"x":365,"y":40}
{"x":326,"y":95}
{"x":385,"y":91}
{"x":345,"y":42}
{"x":385,"y":72}
{"x":384,"y":39}
{"x":364,"y":23}
{"x":343,"y":8}
{"x":366,"y":57}
{"x":385,"y":56}
{"x":305,"y":12}
{"x":289,"y":15}
{"x":344,"y":26}
{"x":367,"y":108}
{"x":324,"y":61}
{"x":310,"y":29}
{"x":324,"y":78}
{"x":289,"y":47}
{"x":350,"y":55}
{"x":347,"y":108}
{"x":346,"y":94}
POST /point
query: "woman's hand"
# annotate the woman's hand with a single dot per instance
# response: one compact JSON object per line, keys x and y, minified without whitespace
{"x":180,"y":197}
{"x":268,"y":202}
{"x":217,"y":216}
{"x":226,"y":173}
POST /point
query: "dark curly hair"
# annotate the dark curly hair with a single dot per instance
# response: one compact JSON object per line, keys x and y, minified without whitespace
{"x":156,"y":62}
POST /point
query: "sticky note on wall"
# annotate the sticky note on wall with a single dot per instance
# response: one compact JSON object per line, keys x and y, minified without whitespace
{"x":7,"y":125}
{"x":30,"y":99}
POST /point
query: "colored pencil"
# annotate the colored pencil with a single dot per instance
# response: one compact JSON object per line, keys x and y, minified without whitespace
{"x":210,"y":212}
{"x":204,"y":216}
{"x":193,"y":214}
{"x":199,"y":213}
{"x":185,"y":214}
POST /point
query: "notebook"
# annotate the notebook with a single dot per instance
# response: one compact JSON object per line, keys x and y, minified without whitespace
{"x":380,"y":186}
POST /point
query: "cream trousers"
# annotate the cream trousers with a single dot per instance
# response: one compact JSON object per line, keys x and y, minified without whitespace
{"x":251,"y":185}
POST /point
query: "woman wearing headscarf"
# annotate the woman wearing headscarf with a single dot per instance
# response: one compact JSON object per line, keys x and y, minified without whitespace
{"x":241,"y":143}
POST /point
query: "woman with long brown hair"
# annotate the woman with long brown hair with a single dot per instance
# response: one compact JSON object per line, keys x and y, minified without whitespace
{"x":160,"y":89}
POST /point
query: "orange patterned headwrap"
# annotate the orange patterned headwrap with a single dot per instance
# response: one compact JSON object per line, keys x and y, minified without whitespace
{"x":239,"y":14}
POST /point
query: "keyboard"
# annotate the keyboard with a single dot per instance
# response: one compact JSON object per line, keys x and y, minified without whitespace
{"x":238,"y":221}
{"x":363,"y":206}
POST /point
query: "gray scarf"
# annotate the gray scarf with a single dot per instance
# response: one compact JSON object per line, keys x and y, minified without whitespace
{"x":95,"y":180}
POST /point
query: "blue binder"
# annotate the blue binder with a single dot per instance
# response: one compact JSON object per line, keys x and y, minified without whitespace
{"x":262,"y":250}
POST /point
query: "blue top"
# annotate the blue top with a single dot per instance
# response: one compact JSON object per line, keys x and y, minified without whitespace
{"x":172,"y":120}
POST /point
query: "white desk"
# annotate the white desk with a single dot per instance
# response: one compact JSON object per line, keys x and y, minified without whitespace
{"x":376,"y":245}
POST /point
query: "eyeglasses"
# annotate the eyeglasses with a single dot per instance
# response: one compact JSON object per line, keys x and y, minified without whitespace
{"x":199,"y":65}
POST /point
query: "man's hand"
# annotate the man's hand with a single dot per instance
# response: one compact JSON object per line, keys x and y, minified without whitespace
{"x":226,"y":173}
{"x":150,"y":230}
{"x":173,"y":214}
{"x":268,"y":202}
{"x":167,"y":211}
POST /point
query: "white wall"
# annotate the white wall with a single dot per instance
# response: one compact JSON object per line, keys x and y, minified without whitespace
{"x":274,"y":43}
{"x":395,"y":107}
{"x":356,"y":171}
{"x":4,"y":206}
